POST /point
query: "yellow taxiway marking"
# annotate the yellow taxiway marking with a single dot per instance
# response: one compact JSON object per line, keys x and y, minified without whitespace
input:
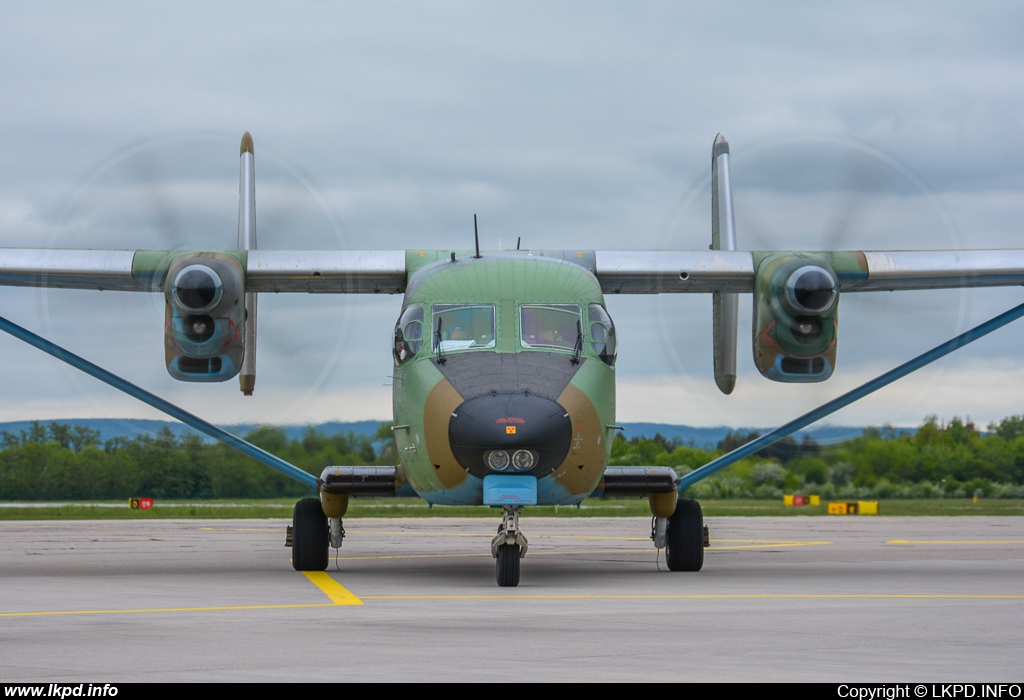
{"x":338,"y":594}
{"x":955,"y":542}
{"x":734,"y":544}
{"x":713,"y":596}
{"x":212,"y":608}
{"x":570,"y":552}
{"x":761,"y":544}
{"x":709,"y":596}
{"x":437,"y":533}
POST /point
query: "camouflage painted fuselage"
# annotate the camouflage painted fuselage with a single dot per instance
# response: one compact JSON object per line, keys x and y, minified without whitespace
{"x":453,"y":407}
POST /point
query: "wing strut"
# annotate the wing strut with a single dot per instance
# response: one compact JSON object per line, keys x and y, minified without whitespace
{"x":849,"y":397}
{"x":246,"y":448}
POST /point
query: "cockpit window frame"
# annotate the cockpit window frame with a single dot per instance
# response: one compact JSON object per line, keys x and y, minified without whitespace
{"x":449,"y":344}
{"x":406,"y":347}
{"x":606,"y":347}
{"x":563,"y":339}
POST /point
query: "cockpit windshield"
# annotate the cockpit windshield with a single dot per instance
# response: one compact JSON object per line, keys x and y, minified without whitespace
{"x":463,"y":327}
{"x":550,"y":325}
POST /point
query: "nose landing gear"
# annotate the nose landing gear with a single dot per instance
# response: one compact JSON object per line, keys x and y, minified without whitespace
{"x":508,"y":547}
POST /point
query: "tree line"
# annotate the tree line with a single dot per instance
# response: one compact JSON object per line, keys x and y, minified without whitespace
{"x":55,"y":461}
{"x":938,"y":459}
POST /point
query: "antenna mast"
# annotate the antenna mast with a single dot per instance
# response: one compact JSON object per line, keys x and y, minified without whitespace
{"x":476,"y":236}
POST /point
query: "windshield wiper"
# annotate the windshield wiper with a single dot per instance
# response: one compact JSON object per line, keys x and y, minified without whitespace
{"x":578,"y":349}
{"x":437,"y":343}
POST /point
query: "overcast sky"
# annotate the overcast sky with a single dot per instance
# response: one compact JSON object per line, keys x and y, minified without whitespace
{"x":571,"y":124}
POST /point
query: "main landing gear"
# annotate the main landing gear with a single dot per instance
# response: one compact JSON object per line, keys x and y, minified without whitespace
{"x":508,"y":547}
{"x":310,"y":535}
{"x":683,"y":536}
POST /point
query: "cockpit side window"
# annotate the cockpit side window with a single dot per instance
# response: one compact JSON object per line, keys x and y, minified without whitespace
{"x":602,"y":335}
{"x":550,"y":325}
{"x":409,"y":334}
{"x":462,"y":327}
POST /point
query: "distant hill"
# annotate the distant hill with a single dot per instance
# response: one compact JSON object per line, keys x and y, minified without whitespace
{"x":709,"y":437}
{"x":699,"y":437}
{"x":130,"y":427}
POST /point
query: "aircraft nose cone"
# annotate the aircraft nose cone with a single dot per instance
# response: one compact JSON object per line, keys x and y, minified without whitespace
{"x":510,"y":422}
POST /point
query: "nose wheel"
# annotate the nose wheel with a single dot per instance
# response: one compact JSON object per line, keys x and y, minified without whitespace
{"x":508,"y":547}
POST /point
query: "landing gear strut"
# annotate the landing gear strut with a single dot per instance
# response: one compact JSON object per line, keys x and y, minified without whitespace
{"x":309,"y":536}
{"x":508,"y":547}
{"x":684,"y":540}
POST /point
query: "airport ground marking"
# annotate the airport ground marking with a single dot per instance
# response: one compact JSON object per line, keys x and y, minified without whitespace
{"x":748,"y":543}
{"x":338,"y":594}
{"x":596,"y":596}
{"x":710,"y":596}
{"x":955,"y":542}
{"x":436,"y":533}
{"x":563,"y":552}
{"x":210,"y":608}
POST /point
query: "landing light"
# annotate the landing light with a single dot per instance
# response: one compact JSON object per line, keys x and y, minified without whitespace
{"x":523,"y":460}
{"x":498,"y":460}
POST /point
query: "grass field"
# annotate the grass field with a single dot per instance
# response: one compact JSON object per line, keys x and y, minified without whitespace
{"x":414,"y":508}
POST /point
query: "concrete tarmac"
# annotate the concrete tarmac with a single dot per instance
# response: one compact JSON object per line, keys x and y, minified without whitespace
{"x":838,"y":599}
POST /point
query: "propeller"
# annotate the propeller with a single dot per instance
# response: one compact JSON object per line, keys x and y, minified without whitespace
{"x":177,"y":191}
{"x":805,"y":193}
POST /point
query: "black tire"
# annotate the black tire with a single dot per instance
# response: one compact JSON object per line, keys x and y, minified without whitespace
{"x":309,"y":536}
{"x":684,"y":547}
{"x":508,"y":565}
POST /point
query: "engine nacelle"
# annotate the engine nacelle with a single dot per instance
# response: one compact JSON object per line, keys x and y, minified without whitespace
{"x":796,"y":316}
{"x":204,"y":338}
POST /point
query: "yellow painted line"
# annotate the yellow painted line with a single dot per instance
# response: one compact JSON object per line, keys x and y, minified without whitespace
{"x":751,"y":544}
{"x":722,"y":596}
{"x":713,"y":596}
{"x":212,"y":608}
{"x":472,"y":555}
{"x":757,"y":541}
{"x":766,"y":544}
{"x":955,"y":542}
{"x":338,"y":594}
{"x":563,"y":552}
{"x":488,"y":535}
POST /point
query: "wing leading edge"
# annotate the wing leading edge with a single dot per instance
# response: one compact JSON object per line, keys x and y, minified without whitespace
{"x":619,"y":272}
{"x":339,"y":272}
{"x":666,"y":272}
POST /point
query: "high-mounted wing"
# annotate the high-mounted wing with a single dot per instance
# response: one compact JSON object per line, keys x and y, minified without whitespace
{"x":681,"y":272}
{"x":211,"y":295}
{"x":329,"y":271}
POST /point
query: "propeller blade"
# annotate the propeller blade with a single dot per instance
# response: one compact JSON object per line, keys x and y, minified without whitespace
{"x":725,"y":305}
{"x":247,"y":241}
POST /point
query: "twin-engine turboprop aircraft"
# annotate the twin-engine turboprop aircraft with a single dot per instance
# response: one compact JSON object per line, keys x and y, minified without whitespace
{"x":504,"y":384}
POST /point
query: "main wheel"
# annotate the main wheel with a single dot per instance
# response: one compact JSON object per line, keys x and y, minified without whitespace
{"x":508,"y":565}
{"x":309,"y":536}
{"x":684,"y":548}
